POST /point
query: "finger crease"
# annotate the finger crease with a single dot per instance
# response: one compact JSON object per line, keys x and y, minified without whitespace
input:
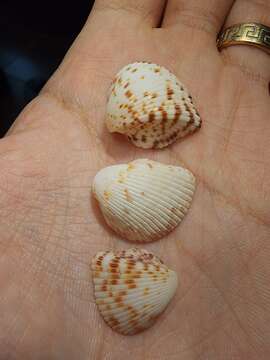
{"x":247,"y":71}
{"x":128,"y":10}
{"x":73,"y":108}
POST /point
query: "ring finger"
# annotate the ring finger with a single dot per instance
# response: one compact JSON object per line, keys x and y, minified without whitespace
{"x":255,"y":60}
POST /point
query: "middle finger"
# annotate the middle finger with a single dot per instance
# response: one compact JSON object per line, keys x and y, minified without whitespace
{"x":196,"y":20}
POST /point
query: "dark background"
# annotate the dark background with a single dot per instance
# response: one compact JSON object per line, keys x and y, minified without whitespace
{"x":34,"y":37}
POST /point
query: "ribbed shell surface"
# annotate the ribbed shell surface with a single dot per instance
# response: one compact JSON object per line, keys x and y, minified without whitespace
{"x":144,"y":200}
{"x":131,"y":288}
{"x":151,"y":106}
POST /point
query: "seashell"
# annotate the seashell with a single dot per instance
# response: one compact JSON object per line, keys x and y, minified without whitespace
{"x":151,"y":106}
{"x":132,"y":288}
{"x":143,"y":200}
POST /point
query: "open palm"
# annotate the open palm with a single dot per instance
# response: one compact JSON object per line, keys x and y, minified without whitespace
{"x":50,"y":227}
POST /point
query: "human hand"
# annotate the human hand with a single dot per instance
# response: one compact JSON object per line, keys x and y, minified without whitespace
{"x":50,"y":229}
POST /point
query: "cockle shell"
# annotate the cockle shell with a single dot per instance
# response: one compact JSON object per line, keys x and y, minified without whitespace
{"x":131,"y":288}
{"x":143,"y":200}
{"x":151,"y":106}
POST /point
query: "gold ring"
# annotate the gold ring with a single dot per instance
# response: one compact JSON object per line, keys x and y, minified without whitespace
{"x":253,"y":34}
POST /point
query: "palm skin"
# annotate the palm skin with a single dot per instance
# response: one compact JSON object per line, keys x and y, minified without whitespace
{"x":51,"y":228}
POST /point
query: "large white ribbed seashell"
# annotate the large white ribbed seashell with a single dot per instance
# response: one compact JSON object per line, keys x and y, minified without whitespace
{"x":151,"y":106}
{"x":143,"y":200}
{"x":131,"y":288}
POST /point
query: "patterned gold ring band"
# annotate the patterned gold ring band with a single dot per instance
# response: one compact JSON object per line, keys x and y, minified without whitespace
{"x":253,"y":34}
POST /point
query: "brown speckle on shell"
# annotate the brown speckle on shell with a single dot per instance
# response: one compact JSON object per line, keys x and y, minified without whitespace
{"x":143,"y":138}
{"x":128,"y":93}
{"x":128,"y":195}
{"x":131,"y":167}
{"x":170,"y":92}
{"x":107,"y":195}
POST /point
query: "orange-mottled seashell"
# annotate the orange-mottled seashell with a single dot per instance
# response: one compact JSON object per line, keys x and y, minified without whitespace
{"x":149,"y":105}
{"x":131,"y":288}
